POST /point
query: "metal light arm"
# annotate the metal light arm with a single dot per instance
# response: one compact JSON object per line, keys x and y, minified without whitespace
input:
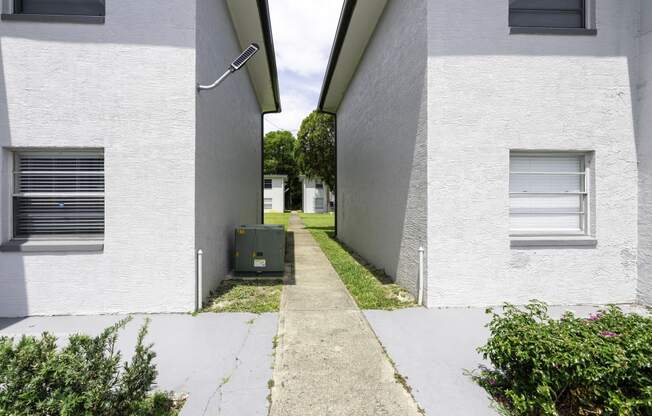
{"x":216,"y":83}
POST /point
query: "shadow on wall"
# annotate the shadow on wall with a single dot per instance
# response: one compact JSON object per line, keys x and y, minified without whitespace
{"x":13,"y":290}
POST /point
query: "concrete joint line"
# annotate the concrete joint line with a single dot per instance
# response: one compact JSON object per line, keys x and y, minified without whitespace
{"x":218,"y":390}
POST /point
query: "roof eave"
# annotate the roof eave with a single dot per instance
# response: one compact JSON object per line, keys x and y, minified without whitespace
{"x":355,"y":28}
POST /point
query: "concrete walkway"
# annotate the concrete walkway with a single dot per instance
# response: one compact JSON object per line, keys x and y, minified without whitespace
{"x":222,"y":361}
{"x":328,"y":360}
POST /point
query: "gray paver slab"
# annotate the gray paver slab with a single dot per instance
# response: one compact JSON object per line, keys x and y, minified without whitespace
{"x":194,"y":354}
{"x":432,"y":348}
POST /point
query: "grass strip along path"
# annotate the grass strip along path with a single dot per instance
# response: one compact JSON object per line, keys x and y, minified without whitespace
{"x":370,"y":287}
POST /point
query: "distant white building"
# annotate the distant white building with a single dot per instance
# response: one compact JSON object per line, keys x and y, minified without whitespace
{"x":316,"y":195}
{"x":274,"y":186}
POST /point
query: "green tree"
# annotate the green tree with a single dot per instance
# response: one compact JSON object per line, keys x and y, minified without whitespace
{"x":279,"y":159}
{"x":315,"y":149}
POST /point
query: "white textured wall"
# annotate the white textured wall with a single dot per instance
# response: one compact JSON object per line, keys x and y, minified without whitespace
{"x":381,"y":146}
{"x":228,"y":152}
{"x":277,"y":193}
{"x":309,"y":193}
{"x":126,"y":86}
{"x":645,"y":155}
{"x":489,"y":92}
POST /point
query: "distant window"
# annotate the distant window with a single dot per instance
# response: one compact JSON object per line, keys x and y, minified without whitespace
{"x":268,"y":203}
{"x":319,"y":186}
{"x":58,"y":194}
{"x":60,"y":7}
{"x":548,"y":194}
{"x":319,"y":203}
{"x":268,"y":183}
{"x":548,"y":13}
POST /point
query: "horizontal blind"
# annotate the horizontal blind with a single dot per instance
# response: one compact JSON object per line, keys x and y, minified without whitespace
{"x":58,"y":194}
{"x":547,"y":13}
{"x":268,"y":203}
{"x":547,"y":194}
{"x":61,"y":7}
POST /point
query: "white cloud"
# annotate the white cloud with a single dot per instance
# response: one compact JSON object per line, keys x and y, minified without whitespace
{"x":303,"y":32}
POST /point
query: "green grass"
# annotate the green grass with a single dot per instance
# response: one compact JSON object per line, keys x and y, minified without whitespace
{"x":255,"y":296}
{"x":277,"y":218}
{"x":370,"y":287}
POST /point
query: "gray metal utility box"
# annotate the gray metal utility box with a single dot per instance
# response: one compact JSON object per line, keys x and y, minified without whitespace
{"x":259,"y":249}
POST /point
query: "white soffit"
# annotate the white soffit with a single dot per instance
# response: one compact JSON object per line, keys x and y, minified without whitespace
{"x":342,"y":67}
{"x":252,"y":25}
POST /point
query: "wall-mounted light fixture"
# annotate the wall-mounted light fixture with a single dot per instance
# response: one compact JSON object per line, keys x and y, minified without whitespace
{"x":238,"y":63}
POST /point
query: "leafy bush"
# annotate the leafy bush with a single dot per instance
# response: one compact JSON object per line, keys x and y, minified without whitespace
{"x":600,"y":365}
{"x":83,"y":378}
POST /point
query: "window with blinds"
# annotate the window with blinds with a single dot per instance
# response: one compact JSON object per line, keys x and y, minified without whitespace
{"x":267,"y":183}
{"x":58,"y":195}
{"x":548,"y":13}
{"x":268,"y":203}
{"x":60,"y":7}
{"x":549,"y":194}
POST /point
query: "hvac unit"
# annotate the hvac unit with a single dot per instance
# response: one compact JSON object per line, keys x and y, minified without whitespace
{"x":259,"y":249}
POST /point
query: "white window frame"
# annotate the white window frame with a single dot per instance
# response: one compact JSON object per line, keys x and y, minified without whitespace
{"x":13,"y":194}
{"x":268,"y":203}
{"x":266,"y":181}
{"x":586,"y":193}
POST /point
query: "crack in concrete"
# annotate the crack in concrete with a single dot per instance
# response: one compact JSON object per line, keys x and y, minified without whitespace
{"x":218,"y":390}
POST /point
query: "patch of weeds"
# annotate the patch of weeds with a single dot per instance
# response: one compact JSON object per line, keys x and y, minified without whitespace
{"x":370,"y":287}
{"x":255,"y":296}
{"x":400,"y":379}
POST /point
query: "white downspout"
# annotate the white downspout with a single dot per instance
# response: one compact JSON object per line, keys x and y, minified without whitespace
{"x":200,"y":280}
{"x":420,"y":282}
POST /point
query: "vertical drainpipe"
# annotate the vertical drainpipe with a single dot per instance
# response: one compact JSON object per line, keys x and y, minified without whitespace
{"x":262,"y":167}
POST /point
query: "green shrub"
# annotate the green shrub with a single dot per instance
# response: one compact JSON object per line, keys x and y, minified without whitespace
{"x":600,"y":365}
{"x":85,"y":377}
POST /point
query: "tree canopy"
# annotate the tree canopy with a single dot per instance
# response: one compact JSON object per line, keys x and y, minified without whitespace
{"x":279,"y":153}
{"x":315,"y":147}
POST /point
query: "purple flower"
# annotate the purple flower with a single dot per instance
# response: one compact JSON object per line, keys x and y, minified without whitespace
{"x":492,"y":382}
{"x":595,"y":316}
{"x":609,"y":334}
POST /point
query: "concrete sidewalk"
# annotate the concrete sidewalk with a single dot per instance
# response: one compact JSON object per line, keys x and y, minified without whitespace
{"x":432,"y":348}
{"x":222,"y":361}
{"x":328,"y":360}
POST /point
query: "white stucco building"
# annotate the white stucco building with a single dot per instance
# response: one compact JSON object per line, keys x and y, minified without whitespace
{"x":114,"y":170}
{"x":513,"y":144}
{"x":274,"y":193}
{"x":315,"y":195}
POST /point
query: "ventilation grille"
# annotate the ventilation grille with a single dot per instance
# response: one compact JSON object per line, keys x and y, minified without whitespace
{"x":58,"y":194}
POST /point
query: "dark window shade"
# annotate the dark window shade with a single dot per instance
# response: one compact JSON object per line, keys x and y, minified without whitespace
{"x":268,"y":184}
{"x":547,"y":13}
{"x":58,"y":195}
{"x":60,"y":7}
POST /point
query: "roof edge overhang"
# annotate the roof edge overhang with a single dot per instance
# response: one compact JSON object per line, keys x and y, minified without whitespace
{"x":356,"y":26}
{"x":252,"y":23}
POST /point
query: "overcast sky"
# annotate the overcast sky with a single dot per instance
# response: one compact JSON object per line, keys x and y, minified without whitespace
{"x":303,"y":33}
